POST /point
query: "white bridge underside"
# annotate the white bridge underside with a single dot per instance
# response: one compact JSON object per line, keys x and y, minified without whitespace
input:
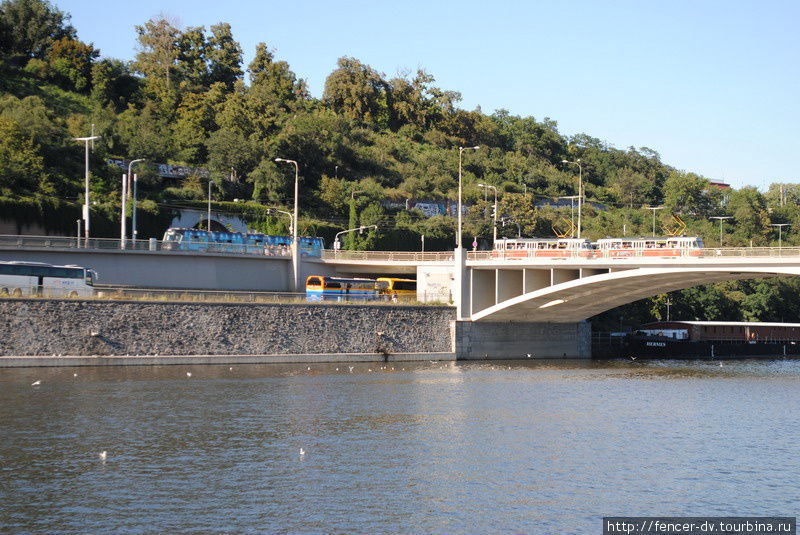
{"x":581,"y":298}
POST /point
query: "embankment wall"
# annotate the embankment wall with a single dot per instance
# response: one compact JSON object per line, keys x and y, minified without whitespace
{"x":47,"y":328}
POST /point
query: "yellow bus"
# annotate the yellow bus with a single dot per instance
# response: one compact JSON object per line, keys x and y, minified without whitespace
{"x":396,"y":289}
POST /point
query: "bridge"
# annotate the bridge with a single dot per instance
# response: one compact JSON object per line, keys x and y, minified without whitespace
{"x":504,"y":306}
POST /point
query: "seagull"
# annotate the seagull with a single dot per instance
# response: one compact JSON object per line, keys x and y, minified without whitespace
{"x":188,"y":374}
{"x":302,"y":452}
{"x":632,"y":357}
{"x":103,"y":455}
{"x":36,"y":382}
{"x":529,"y":355}
{"x":309,"y":368}
{"x":230,"y":369}
{"x":351,"y":369}
{"x":74,"y":374}
{"x":337,"y":369}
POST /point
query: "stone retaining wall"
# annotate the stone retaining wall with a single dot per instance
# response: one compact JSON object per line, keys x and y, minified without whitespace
{"x":33,"y":327}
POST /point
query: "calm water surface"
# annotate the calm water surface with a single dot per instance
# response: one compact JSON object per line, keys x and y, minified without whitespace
{"x":525,"y":447}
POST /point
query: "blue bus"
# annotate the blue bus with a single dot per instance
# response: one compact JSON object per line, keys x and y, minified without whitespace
{"x":190,"y":239}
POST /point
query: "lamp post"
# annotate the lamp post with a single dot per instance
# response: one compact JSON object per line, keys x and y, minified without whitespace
{"x":86,"y":140}
{"x":123,"y":232}
{"x":519,"y":227}
{"x":338,"y":245}
{"x":780,"y":228}
{"x":654,"y":208}
{"x":571,"y":198}
{"x":295,"y":245}
{"x":208,"y":217}
{"x":460,"y":152}
{"x":494,"y":212}
{"x":721,"y":219}
{"x":271,"y":211}
{"x":580,"y":190}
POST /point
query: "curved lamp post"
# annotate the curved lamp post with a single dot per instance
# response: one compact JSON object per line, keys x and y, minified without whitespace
{"x":126,"y":185}
{"x":721,"y":219}
{"x":295,"y":245}
{"x":86,"y":195}
{"x":494,"y":213}
{"x":580,"y":190}
{"x":460,"y":152}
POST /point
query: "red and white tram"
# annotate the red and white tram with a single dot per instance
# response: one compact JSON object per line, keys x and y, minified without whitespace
{"x":542,"y":248}
{"x":648,"y":247}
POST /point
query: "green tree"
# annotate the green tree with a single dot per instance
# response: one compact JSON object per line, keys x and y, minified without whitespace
{"x":191,"y":63}
{"x":28,"y":28}
{"x":70,"y":63}
{"x":751,"y":218}
{"x":688,"y":192}
{"x":21,"y":167}
{"x":631,"y":187}
{"x":357,"y":91}
{"x":113,"y":83}
{"x":157,"y":60}
{"x":224,"y":56}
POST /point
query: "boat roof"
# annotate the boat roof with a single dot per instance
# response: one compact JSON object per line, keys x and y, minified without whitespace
{"x":723,"y":324}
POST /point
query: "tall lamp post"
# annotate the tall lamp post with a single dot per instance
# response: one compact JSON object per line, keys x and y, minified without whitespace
{"x":721,"y":219}
{"x":86,"y":140}
{"x":494,"y":212}
{"x":295,"y":245}
{"x":580,"y":190}
{"x":654,"y":208}
{"x":123,"y":232}
{"x":780,"y":228}
{"x":460,"y":152}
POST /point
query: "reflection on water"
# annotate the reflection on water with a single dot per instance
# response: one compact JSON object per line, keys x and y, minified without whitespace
{"x":402,"y":448}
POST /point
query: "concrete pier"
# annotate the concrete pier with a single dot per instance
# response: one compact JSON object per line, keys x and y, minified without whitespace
{"x":518,"y":340}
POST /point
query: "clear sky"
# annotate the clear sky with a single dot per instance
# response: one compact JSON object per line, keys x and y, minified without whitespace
{"x":713,"y":86}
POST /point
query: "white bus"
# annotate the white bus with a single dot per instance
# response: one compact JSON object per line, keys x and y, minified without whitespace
{"x":46,"y":280}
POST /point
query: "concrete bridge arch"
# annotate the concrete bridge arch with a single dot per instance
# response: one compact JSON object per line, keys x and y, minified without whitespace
{"x":579,"y":299}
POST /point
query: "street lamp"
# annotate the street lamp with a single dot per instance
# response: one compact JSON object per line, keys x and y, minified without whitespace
{"x":271,"y":211}
{"x":654,"y":208}
{"x":780,"y":228}
{"x":460,"y":152}
{"x":571,"y":198}
{"x":519,"y":227}
{"x":86,"y":140}
{"x":338,"y":245}
{"x":494,"y":212}
{"x":295,"y":245}
{"x":123,"y":233}
{"x":721,"y":219}
{"x":580,"y":190}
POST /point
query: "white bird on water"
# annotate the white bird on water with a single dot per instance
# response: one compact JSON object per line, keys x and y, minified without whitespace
{"x":103,"y":455}
{"x":36,"y":382}
{"x":302,"y":452}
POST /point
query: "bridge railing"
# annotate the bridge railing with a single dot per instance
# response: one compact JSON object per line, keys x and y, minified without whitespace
{"x":112,"y":244}
{"x":392,"y":256}
{"x":732,"y":252}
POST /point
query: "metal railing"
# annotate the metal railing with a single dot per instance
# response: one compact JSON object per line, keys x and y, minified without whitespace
{"x":392,"y":256}
{"x":112,"y":244}
{"x":638,"y":254}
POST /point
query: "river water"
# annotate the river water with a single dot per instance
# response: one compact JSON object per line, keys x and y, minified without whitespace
{"x":515,"y":447}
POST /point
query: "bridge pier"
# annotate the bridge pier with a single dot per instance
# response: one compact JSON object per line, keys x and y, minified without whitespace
{"x":477,"y":340}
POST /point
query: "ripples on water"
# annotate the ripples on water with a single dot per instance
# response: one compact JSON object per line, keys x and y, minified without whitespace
{"x":544,"y":447}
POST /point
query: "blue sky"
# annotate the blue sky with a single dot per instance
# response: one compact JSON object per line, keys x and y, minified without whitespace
{"x":712,"y":86}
